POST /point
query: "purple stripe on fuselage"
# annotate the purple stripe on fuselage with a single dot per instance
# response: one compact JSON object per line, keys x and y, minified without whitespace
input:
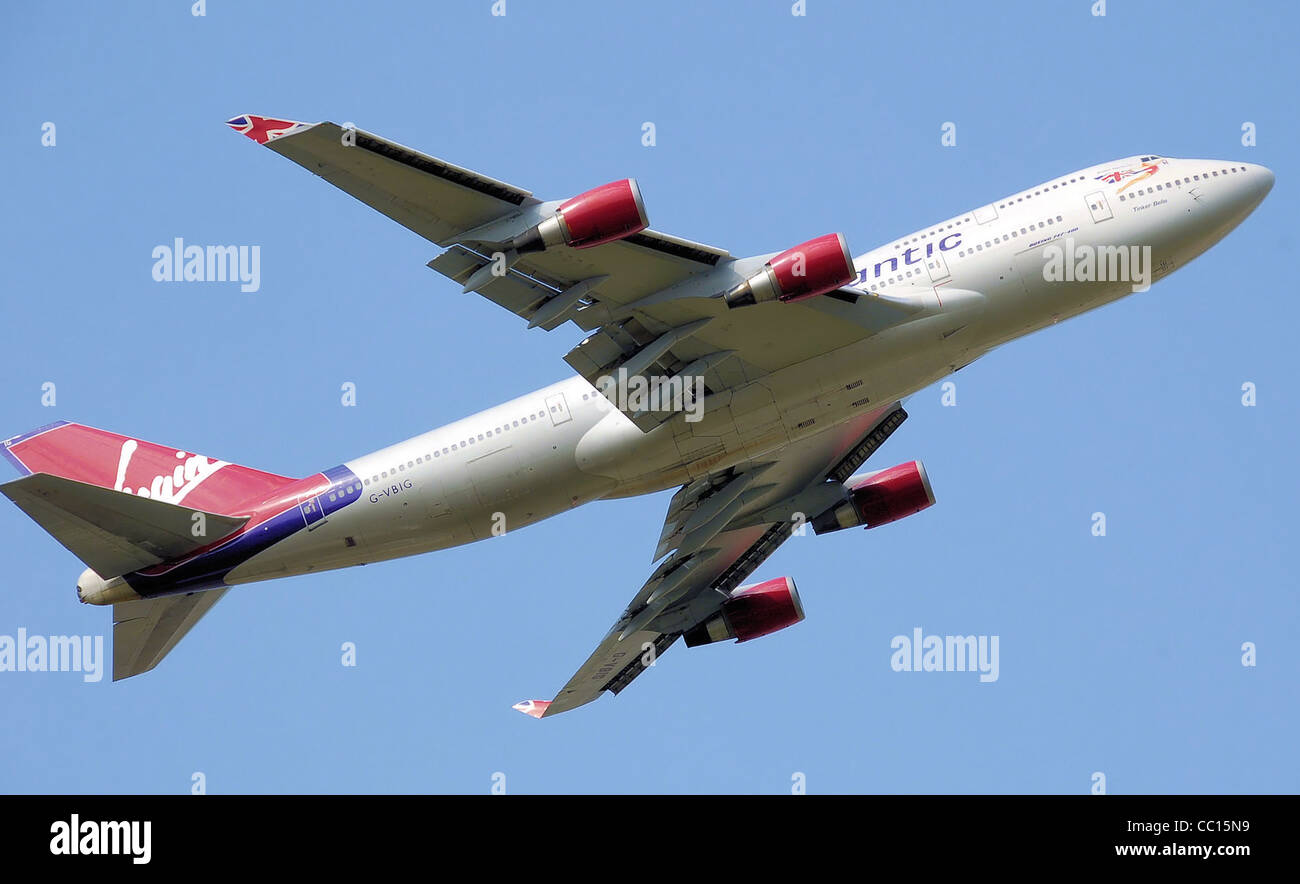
{"x":208,"y":570}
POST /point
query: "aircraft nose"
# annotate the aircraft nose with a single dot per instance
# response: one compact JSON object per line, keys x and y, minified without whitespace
{"x":1232,"y":200}
{"x":1261,"y":180}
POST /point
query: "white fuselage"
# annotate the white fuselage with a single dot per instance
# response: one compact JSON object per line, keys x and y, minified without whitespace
{"x":971,"y":282}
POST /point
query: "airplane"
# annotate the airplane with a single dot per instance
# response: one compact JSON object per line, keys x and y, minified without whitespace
{"x":757,"y":386}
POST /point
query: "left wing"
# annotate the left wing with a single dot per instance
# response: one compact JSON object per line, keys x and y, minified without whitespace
{"x":721,"y":528}
{"x":646,"y":300}
{"x":442,"y":202}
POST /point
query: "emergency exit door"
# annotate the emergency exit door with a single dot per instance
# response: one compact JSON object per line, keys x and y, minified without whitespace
{"x":1098,"y":206}
{"x":558,"y":408}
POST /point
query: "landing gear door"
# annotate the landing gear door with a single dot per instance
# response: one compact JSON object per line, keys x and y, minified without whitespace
{"x":1098,"y":206}
{"x":558,"y":409}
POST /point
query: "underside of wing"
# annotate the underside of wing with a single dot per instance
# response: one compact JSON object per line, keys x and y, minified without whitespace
{"x":720,"y":529}
{"x":444,"y":202}
{"x":652,"y":304}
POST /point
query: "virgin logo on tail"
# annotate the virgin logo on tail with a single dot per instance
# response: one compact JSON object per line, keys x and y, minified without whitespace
{"x":168,"y":488}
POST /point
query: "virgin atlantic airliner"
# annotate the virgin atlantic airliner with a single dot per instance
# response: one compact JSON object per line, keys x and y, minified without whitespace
{"x":757,"y":386}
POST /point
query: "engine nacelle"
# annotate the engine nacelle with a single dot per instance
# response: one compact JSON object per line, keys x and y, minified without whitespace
{"x":751,"y":612}
{"x":879,"y":498}
{"x":810,"y":269}
{"x":603,"y":214}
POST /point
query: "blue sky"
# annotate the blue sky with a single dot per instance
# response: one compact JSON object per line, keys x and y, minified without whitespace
{"x":1119,"y":654}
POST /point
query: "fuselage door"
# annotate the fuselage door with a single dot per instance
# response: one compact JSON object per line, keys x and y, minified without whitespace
{"x":312,"y":512}
{"x":1098,"y":206}
{"x":558,"y":409}
{"x":938,"y":267}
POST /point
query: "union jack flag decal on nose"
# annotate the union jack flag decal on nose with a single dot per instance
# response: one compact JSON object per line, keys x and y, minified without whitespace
{"x":264,"y":129}
{"x":1115,"y":176}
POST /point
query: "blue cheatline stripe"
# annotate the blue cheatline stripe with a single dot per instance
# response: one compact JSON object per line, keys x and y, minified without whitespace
{"x":208,"y":571}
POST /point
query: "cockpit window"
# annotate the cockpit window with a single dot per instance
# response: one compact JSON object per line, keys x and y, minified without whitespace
{"x":1148,"y":159}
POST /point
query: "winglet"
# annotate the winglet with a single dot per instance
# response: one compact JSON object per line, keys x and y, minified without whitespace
{"x":264,"y":129}
{"x":535,"y":708}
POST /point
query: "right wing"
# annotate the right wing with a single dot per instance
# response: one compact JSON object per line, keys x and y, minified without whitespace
{"x":721,"y":528}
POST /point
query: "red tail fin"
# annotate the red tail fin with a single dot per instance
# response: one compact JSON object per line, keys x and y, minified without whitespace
{"x":160,"y":472}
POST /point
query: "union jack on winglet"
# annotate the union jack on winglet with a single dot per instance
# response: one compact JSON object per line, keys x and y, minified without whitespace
{"x":264,"y":129}
{"x":535,"y":708}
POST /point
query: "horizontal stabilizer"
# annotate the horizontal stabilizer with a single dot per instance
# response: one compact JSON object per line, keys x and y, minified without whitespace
{"x":113,"y":532}
{"x":145,"y":631}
